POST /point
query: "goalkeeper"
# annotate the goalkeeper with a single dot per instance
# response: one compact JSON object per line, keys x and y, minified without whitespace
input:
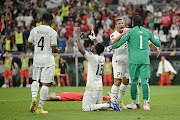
{"x":139,"y":63}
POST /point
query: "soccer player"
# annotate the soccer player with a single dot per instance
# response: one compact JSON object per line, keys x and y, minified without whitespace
{"x":57,"y":70}
{"x":139,"y":64}
{"x":107,"y":71}
{"x":45,"y":42}
{"x":69,"y":96}
{"x":92,"y":99}
{"x":24,"y":70}
{"x":120,"y":62}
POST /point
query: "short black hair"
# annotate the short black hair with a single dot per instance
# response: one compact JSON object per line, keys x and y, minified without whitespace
{"x":137,"y":20}
{"x":47,"y":17}
{"x":118,"y":18}
{"x":99,"y":48}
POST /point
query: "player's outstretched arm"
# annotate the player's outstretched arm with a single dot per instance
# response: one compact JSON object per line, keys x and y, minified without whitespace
{"x":119,"y":37}
{"x":80,"y":47}
{"x":154,"y":40}
{"x":92,"y":36}
{"x":121,"y":42}
{"x":154,"y":48}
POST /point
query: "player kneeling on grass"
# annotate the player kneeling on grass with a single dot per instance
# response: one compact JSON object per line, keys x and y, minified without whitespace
{"x":92,"y":99}
{"x":45,"y":42}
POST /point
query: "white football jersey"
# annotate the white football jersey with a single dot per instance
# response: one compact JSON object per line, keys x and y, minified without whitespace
{"x":120,"y":53}
{"x":94,"y":73}
{"x":43,"y":38}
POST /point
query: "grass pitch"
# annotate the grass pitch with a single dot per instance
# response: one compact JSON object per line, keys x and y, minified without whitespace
{"x":15,"y":102}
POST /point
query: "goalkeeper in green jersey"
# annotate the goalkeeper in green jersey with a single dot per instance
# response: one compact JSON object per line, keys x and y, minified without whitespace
{"x":139,"y":63}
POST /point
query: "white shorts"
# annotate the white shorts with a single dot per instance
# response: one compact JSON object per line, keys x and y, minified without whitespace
{"x":92,"y":97}
{"x":120,"y":68}
{"x":44,"y":74}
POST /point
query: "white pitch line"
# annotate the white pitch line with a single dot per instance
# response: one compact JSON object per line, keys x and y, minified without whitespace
{"x":15,"y":100}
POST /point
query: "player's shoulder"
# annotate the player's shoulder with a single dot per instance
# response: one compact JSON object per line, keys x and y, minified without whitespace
{"x":114,"y":34}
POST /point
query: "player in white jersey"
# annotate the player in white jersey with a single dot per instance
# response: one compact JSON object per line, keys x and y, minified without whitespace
{"x":92,"y":99}
{"x":120,"y":62}
{"x":44,"y":39}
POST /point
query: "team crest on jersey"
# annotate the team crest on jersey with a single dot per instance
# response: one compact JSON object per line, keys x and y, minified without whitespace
{"x":90,"y":53}
{"x":112,"y":36}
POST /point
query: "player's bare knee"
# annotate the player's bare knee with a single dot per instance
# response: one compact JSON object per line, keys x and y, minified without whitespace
{"x":125,"y":81}
{"x":117,"y":82}
{"x":86,"y":108}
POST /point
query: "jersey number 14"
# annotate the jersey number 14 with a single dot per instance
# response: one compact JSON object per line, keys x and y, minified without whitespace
{"x":41,"y":43}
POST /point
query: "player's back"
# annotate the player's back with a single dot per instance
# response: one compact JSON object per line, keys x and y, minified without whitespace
{"x":95,"y":68}
{"x":139,"y":46}
{"x":43,"y":37}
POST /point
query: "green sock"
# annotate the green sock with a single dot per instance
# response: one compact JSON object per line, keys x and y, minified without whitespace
{"x":134,"y":88}
{"x":145,"y":88}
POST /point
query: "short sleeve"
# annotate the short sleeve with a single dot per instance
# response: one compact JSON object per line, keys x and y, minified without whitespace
{"x":112,"y":36}
{"x":31,"y":36}
{"x":89,"y":56}
{"x":54,"y":38}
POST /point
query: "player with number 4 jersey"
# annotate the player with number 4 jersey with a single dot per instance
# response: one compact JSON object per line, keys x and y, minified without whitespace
{"x":44,"y":39}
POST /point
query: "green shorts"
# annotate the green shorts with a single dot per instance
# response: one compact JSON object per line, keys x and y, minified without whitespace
{"x":139,"y":70}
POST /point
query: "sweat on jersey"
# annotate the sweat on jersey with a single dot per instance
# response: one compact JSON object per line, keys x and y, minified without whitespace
{"x":138,"y":44}
{"x":43,"y":38}
{"x":94,"y":73}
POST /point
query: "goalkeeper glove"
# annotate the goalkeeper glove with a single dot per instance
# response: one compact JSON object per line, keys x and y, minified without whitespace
{"x":92,"y":36}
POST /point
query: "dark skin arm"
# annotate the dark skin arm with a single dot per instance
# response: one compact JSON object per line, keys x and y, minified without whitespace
{"x":80,"y":47}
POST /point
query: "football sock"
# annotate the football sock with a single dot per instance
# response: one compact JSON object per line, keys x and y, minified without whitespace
{"x":99,"y":107}
{"x":145,"y":88}
{"x":114,"y":91}
{"x":34,"y":89}
{"x":43,"y":96}
{"x":21,"y":83}
{"x":137,"y":96}
{"x":134,"y":88}
{"x":122,"y":90}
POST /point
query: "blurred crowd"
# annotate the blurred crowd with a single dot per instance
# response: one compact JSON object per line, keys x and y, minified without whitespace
{"x":18,"y":17}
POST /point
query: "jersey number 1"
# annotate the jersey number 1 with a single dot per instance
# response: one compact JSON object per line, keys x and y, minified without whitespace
{"x":41,"y":43}
{"x":141,"y":41}
{"x":99,"y":70}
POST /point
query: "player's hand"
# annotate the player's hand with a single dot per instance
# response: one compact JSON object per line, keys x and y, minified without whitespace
{"x":126,"y":31}
{"x":158,"y":53}
{"x":92,"y":35}
{"x":109,"y":48}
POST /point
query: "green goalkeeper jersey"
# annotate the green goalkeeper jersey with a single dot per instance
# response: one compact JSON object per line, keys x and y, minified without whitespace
{"x":138,"y":44}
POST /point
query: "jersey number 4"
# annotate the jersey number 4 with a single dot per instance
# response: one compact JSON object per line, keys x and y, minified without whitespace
{"x":99,"y":70}
{"x":41,"y":43}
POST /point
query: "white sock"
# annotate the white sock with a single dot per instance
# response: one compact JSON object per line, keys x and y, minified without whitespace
{"x":104,"y":106}
{"x":43,"y":96}
{"x":137,"y":96}
{"x":122,"y":90}
{"x":114,"y":91}
{"x":34,"y":89}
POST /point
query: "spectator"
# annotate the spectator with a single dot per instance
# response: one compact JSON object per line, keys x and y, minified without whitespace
{"x":174,"y":31}
{"x":121,"y":8}
{"x":87,"y":41}
{"x":28,"y":19}
{"x":57,"y":70}
{"x":171,"y":16}
{"x":165,"y":69}
{"x":177,"y":21}
{"x":176,"y":8}
{"x":91,"y":5}
{"x":15,"y":70}
{"x":69,"y":29}
{"x":90,"y":21}
{"x":170,"y":39}
{"x":157,"y":19}
{"x":20,"y":20}
{"x":19,"y":40}
{"x":149,"y":7}
{"x":126,"y":19}
{"x":42,"y":9}
{"x":62,"y":42}
{"x":65,"y":13}
{"x":107,"y":71}
{"x":106,"y":39}
{"x":58,"y":19}
{"x":145,"y":13}
{"x":177,"y":40}
{"x":24,"y":70}
{"x":99,"y":36}
{"x":165,"y":23}
{"x":63,"y":77}
{"x":149,"y":21}
{"x":106,"y":23}
{"x":7,"y":44}
{"x":167,"y":8}
{"x":70,"y":45}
